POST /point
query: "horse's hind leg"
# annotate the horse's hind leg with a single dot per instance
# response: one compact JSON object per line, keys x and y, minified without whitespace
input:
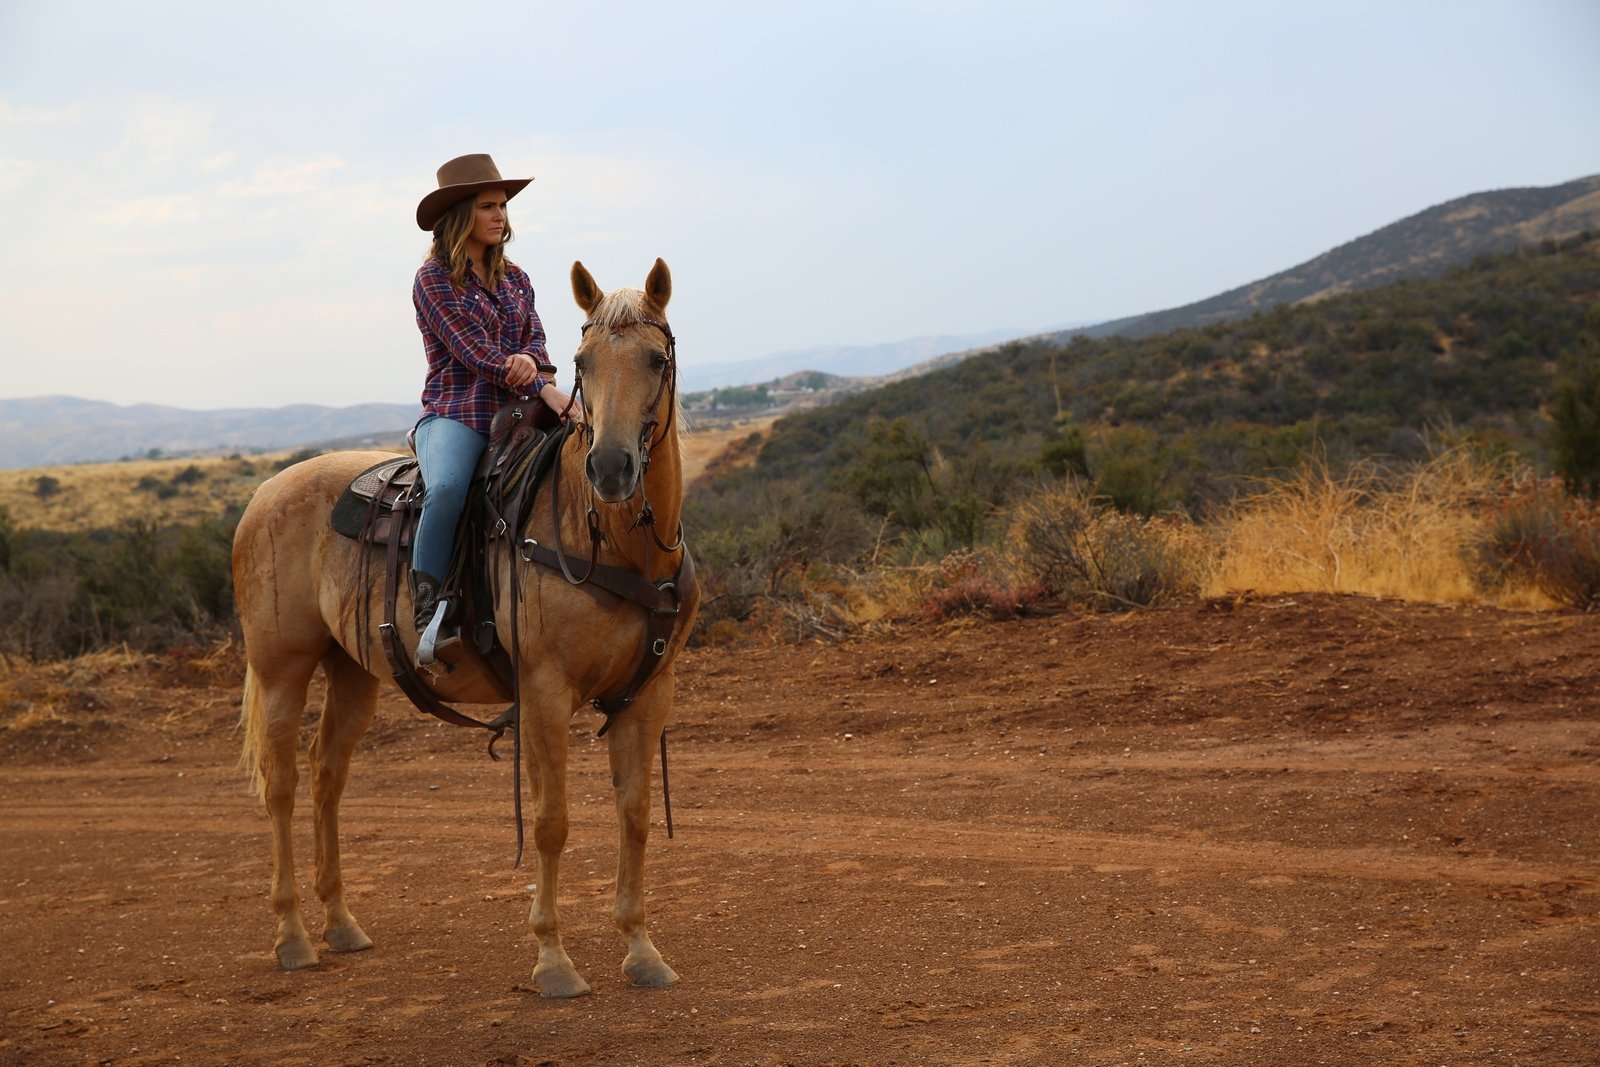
{"x":346,"y":713}
{"x":274,"y":701}
{"x":634,"y":736}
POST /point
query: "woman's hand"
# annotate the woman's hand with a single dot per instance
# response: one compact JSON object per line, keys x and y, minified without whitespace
{"x":521,"y":370}
{"x":558,"y":401}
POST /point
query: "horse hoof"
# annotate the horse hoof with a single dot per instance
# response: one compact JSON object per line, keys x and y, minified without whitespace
{"x":557,"y":985}
{"x":349,"y":938}
{"x":296,"y":955}
{"x":650,"y":974}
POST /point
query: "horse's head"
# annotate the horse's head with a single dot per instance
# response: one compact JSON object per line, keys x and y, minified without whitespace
{"x":627,"y":368}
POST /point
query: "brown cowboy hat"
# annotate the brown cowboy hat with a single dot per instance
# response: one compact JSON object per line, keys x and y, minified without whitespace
{"x":459,"y":179}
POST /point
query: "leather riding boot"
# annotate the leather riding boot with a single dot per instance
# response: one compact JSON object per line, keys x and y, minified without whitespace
{"x":424,"y":598}
{"x":433,"y":636}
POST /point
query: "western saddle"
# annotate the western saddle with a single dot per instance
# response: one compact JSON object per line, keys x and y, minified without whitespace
{"x":382,"y":506}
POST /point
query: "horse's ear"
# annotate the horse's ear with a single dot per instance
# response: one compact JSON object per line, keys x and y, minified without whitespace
{"x":658,"y":287}
{"x":584,"y":290}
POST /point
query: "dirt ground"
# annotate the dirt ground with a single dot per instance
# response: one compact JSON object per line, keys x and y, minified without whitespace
{"x":1305,"y":830}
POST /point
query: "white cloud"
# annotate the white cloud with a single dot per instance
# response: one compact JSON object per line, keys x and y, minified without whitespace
{"x":285,"y":178}
{"x":220,"y":161}
{"x":137,"y":211}
{"x":12,"y":114}
{"x":162,"y":130}
{"x":14,"y":173}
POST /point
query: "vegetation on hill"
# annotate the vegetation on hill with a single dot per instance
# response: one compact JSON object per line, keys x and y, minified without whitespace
{"x":136,"y":584}
{"x":162,"y":492}
{"x":1180,"y":430}
{"x":1184,"y":419}
{"x":134,"y":553}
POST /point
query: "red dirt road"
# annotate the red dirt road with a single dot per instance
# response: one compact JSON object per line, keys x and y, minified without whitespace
{"x":1291,"y":831}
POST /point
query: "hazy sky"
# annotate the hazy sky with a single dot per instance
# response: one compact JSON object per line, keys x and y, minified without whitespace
{"x":211,"y":204}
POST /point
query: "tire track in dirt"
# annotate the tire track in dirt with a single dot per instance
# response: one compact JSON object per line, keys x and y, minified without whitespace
{"x":875,"y":837}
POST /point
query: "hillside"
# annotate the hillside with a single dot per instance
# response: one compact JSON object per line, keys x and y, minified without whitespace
{"x":1476,"y":350}
{"x":45,"y":431}
{"x":1426,"y":243}
{"x":163,"y":492}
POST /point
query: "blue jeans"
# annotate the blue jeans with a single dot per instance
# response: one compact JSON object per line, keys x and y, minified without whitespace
{"x":447,"y":452}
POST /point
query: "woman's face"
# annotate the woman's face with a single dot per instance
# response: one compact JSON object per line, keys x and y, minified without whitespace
{"x":489,"y":218}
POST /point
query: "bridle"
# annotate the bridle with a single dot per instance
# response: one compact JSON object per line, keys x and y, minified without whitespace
{"x":645,"y":517}
{"x":669,"y":386}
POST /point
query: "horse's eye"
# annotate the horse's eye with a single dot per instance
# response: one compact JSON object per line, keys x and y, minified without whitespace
{"x":658,"y":362}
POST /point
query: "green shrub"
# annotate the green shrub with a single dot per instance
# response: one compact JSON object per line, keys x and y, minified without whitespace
{"x":1542,"y":535}
{"x":1575,"y":418}
{"x":162,"y":490}
{"x":1074,"y":545}
{"x":1133,"y":471}
{"x":1065,"y":453}
{"x":753,"y":542}
{"x":141,"y":585}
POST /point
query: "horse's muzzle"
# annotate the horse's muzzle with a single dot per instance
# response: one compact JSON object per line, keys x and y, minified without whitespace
{"x":614,"y":473}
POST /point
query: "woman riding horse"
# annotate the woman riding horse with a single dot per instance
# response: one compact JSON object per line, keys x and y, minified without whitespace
{"x":485,"y":347}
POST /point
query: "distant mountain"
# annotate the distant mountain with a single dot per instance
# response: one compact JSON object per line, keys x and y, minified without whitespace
{"x":52,"y":430}
{"x":1422,"y":245}
{"x":852,"y":361}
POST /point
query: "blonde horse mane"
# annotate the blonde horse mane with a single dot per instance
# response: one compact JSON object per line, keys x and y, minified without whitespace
{"x":623,"y":307}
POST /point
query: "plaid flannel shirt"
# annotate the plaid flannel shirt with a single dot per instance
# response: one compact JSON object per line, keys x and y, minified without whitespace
{"x":468,"y":335}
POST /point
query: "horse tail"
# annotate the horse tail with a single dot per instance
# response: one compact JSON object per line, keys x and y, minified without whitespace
{"x":254,"y":725}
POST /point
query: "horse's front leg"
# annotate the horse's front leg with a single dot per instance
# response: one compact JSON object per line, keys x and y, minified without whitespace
{"x":544,"y":735}
{"x":635,"y":735}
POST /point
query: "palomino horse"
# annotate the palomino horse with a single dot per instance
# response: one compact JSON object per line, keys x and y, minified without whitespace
{"x":298,"y":582}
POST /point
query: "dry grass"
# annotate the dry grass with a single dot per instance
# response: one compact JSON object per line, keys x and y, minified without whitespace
{"x":1413,"y":536}
{"x":705,"y":444}
{"x":71,"y":708}
{"x":102,"y":495}
{"x":40,"y":695}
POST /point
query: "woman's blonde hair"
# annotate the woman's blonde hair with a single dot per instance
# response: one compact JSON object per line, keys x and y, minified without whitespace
{"x":450,"y":235}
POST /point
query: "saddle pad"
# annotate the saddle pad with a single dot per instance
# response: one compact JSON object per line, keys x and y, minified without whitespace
{"x":350,"y":511}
